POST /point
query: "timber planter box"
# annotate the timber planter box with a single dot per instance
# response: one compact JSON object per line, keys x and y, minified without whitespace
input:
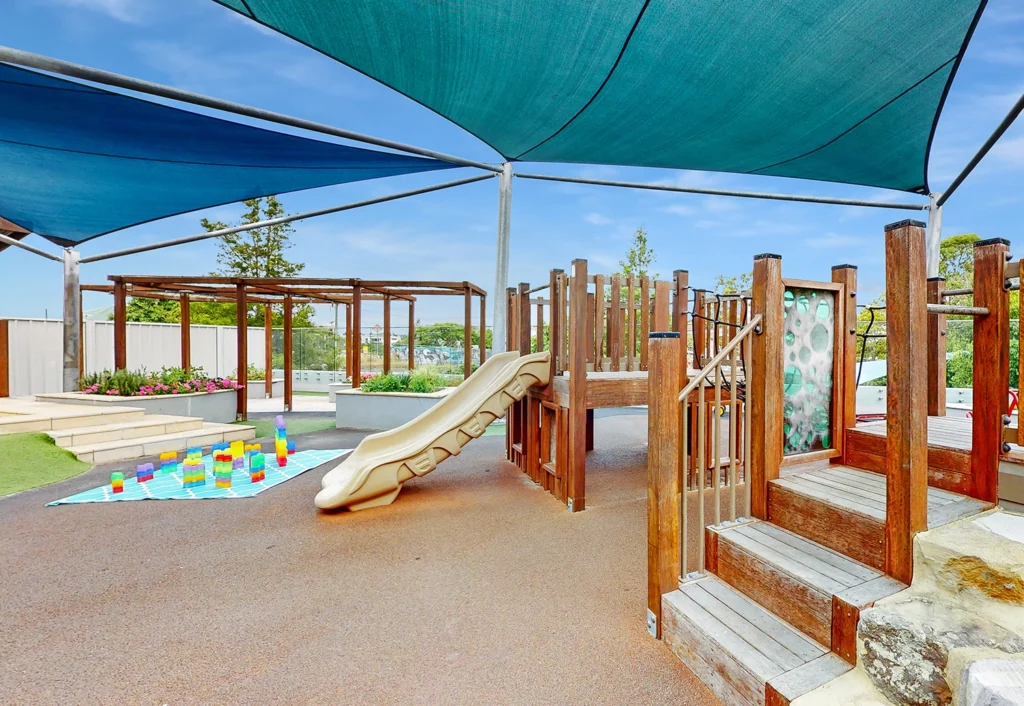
{"x":257,"y":389}
{"x":379,"y":411}
{"x":218,"y":407}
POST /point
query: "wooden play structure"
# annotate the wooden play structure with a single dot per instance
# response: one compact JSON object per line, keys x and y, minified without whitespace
{"x":285,"y":293}
{"x":767,"y":541}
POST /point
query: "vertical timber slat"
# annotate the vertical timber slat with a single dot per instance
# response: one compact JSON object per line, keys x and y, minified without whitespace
{"x":357,"y":338}
{"x":467,"y":333}
{"x":483,"y":328}
{"x":577,"y":413}
{"x":5,"y":359}
{"x":681,"y":300}
{"x":120,"y":327}
{"x":412,"y":334}
{"x":287,"y":345}
{"x":846,"y":405}
{"x":242,"y":331}
{"x":615,"y":324}
{"x":598,"y":322}
{"x":765,"y":399}
{"x":557,"y":334}
{"x":645,"y":320}
{"x":186,"y":332}
{"x":268,"y":351}
{"x":991,"y":345}
{"x":936,"y":350}
{"x":663,"y":466}
{"x":386,"y":338}
{"x":906,"y":462}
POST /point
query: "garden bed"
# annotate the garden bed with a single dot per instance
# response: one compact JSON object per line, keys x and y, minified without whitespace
{"x":257,"y":389}
{"x":379,"y":411}
{"x":219,"y":407}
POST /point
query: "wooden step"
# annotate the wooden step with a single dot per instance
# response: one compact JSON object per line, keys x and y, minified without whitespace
{"x":123,"y":449}
{"x":949,"y":451}
{"x":815,"y":589}
{"x":149,"y":425}
{"x":741,"y":651}
{"x":843,"y":509}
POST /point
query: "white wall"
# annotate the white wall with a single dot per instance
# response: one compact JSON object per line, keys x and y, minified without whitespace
{"x":36,"y":357}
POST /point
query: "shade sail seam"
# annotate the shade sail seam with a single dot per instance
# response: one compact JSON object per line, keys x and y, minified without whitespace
{"x":859,"y":122}
{"x":248,"y":9}
{"x":600,"y":88}
{"x":210,"y":164}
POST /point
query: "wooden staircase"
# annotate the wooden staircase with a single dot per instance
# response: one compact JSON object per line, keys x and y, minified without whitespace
{"x":776,"y":614}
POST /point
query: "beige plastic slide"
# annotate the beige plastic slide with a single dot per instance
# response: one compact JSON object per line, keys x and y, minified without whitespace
{"x":374,"y":473}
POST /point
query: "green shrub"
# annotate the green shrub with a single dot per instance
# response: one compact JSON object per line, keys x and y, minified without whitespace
{"x":420,"y":381}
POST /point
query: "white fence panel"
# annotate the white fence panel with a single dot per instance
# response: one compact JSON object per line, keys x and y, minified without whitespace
{"x":36,"y":357}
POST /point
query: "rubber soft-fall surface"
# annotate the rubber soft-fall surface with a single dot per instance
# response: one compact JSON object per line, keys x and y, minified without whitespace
{"x":373,"y":475}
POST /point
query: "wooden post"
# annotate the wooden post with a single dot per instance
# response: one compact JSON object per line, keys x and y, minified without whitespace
{"x":557,"y":334}
{"x":991,"y":366}
{"x":387,"y":334}
{"x":540,"y":327}
{"x":681,"y":316}
{"x":357,"y":337}
{"x":936,"y":350}
{"x":630,"y":323}
{"x":5,"y":359}
{"x":412,"y":335}
{"x":700,"y":328}
{"x":906,"y":457}
{"x":846,"y":401}
{"x":645,"y":320}
{"x":599,"y":325}
{"x":268,"y":351}
{"x":288,"y":372}
{"x":349,"y":340}
{"x":242,"y":331}
{"x":467,"y":332}
{"x":662,"y":318}
{"x":663,"y":466}
{"x":483,"y":329}
{"x":577,"y":414}
{"x":523,"y":325}
{"x":81,"y":337}
{"x":186,"y":331}
{"x":764,"y":401}
{"x":120,"y":326}
{"x":615,"y":324}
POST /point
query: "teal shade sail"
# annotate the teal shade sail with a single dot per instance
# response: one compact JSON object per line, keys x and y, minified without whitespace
{"x":833,"y":90}
{"x":77,"y":162}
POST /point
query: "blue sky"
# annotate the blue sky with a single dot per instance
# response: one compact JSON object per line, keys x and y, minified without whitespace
{"x":200,"y":46}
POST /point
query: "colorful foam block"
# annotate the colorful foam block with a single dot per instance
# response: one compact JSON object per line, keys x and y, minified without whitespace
{"x":291,"y":447}
{"x":117,"y":482}
{"x":168,"y":462}
{"x":144,"y":472}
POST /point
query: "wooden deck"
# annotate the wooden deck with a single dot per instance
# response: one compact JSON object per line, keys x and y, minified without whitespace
{"x":844,"y":509}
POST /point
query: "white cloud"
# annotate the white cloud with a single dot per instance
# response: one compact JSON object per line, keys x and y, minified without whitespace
{"x":131,"y":11}
{"x":721,"y":204}
{"x":832,"y":240}
{"x":680,"y":210}
{"x":597,"y":219}
{"x":1014,"y":56}
{"x":1010,"y":151}
{"x":691,"y":180}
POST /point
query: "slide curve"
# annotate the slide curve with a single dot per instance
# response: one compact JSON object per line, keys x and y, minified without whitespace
{"x":374,"y":473}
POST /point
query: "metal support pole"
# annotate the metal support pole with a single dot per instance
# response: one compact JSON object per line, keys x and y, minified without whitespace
{"x":72,"y":320}
{"x":501,"y":259}
{"x":934,"y":234}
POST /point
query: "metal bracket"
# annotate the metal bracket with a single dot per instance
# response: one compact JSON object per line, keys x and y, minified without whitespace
{"x":652,"y":623}
{"x":568,"y":504}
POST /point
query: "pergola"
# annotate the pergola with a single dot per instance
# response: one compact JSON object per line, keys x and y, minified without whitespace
{"x":286,"y":293}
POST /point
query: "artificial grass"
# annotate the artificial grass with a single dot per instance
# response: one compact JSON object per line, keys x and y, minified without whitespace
{"x":266,"y":427}
{"x":34,"y":460}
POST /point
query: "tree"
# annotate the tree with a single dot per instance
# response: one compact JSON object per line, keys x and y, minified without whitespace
{"x":639,"y":258}
{"x":157,"y":311}
{"x":254,"y":253}
{"x":732,"y":285}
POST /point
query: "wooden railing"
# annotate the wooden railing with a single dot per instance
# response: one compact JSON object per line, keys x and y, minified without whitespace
{"x":719,"y":474}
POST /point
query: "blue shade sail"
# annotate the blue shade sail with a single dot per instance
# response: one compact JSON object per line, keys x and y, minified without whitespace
{"x":833,"y":90}
{"x":77,"y":162}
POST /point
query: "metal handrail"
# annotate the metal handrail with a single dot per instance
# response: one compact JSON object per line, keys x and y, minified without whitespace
{"x":754,"y":324}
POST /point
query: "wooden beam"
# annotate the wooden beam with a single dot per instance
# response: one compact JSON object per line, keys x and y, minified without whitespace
{"x":577,"y":414}
{"x":846,"y":320}
{"x":906,"y":406}
{"x":268,"y":351}
{"x":5,"y":359}
{"x":664,"y":422}
{"x":120,"y":327}
{"x":288,"y":369}
{"x":186,"y":331}
{"x":242,"y":330}
{"x":467,"y":333}
{"x":357,"y":337}
{"x":991,"y":366}
{"x":387,"y":335}
{"x":764,"y":400}
{"x":936,"y":350}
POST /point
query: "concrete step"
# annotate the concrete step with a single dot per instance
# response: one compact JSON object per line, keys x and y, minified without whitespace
{"x":29,"y":417}
{"x":123,"y":449}
{"x":149,"y":425}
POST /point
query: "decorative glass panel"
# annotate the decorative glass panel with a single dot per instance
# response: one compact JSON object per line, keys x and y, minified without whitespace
{"x":808,"y":337}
